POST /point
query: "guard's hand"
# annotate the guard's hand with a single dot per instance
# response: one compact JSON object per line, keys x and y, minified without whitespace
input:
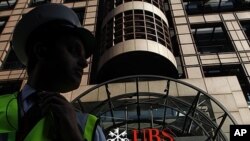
{"x":63,"y":115}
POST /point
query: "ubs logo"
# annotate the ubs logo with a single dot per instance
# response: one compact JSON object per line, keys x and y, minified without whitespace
{"x":117,"y":136}
{"x":151,"y":134}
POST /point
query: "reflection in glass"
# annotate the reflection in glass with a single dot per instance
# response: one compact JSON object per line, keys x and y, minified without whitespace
{"x":206,"y":6}
{"x":246,"y":27}
{"x":7,"y":4}
{"x":212,"y":39}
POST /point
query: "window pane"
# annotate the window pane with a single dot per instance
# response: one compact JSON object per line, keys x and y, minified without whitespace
{"x":12,"y":62}
{"x":7,"y":4}
{"x":211,"y":39}
{"x":208,"y":6}
{"x":38,"y":2}
{"x":246,"y":27}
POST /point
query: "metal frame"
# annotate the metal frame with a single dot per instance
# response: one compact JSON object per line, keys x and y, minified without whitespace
{"x":193,"y":116}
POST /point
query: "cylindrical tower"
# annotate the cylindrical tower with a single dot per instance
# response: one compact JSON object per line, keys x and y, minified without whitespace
{"x":135,"y":40}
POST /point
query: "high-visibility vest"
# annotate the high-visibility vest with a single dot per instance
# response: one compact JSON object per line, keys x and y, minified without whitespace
{"x":9,"y":122}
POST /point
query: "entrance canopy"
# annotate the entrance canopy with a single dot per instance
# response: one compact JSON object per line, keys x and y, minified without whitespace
{"x":157,"y":106}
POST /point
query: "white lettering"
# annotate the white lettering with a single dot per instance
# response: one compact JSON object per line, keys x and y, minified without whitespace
{"x":243,"y":131}
{"x":240,"y":132}
{"x":237,"y":132}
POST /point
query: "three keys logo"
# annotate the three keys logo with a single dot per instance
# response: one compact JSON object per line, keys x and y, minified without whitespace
{"x":117,"y":136}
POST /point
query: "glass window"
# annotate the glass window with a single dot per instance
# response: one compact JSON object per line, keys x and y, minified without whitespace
{"x":3,"y":22}
{"x":68,"y":1}
{"x":118,"y":2}
{"x":7,"y":4}
{"x":118,"y":39}
{"x":211,"y":39}
{"x":129,"y":36}
{"x":208,"y":6}
{"x":246,"y":27}
{"x":244,"y":4}
{"x":12,"y":62}
{"x":38,"y":2}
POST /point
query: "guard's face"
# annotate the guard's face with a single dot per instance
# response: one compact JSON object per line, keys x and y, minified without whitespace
{"x":67,"y":62}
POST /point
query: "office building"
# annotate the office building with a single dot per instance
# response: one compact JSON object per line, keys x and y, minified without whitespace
{"x":196,"y":53}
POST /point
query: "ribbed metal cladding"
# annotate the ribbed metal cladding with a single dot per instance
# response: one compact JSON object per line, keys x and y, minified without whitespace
{"x":135,"y":40}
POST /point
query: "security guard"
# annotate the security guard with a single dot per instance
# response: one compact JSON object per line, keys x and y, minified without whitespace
{"x":50,"y":41}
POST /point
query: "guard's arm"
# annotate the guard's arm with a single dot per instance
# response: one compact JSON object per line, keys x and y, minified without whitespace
{"x":64,"y":123}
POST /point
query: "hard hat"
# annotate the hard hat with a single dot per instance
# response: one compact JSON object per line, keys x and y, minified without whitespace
{"x":42,"y":15}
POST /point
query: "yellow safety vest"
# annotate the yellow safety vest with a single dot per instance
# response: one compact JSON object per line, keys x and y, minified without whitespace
{"x":9,"y":122}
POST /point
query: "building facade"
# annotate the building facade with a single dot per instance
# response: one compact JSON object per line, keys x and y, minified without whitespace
{"x":196,"y":53}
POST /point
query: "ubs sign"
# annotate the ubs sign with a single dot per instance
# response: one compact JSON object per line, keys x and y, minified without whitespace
{"x":151,"y":134}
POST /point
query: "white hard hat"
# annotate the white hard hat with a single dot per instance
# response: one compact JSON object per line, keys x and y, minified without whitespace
{"x":42,"y":15}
